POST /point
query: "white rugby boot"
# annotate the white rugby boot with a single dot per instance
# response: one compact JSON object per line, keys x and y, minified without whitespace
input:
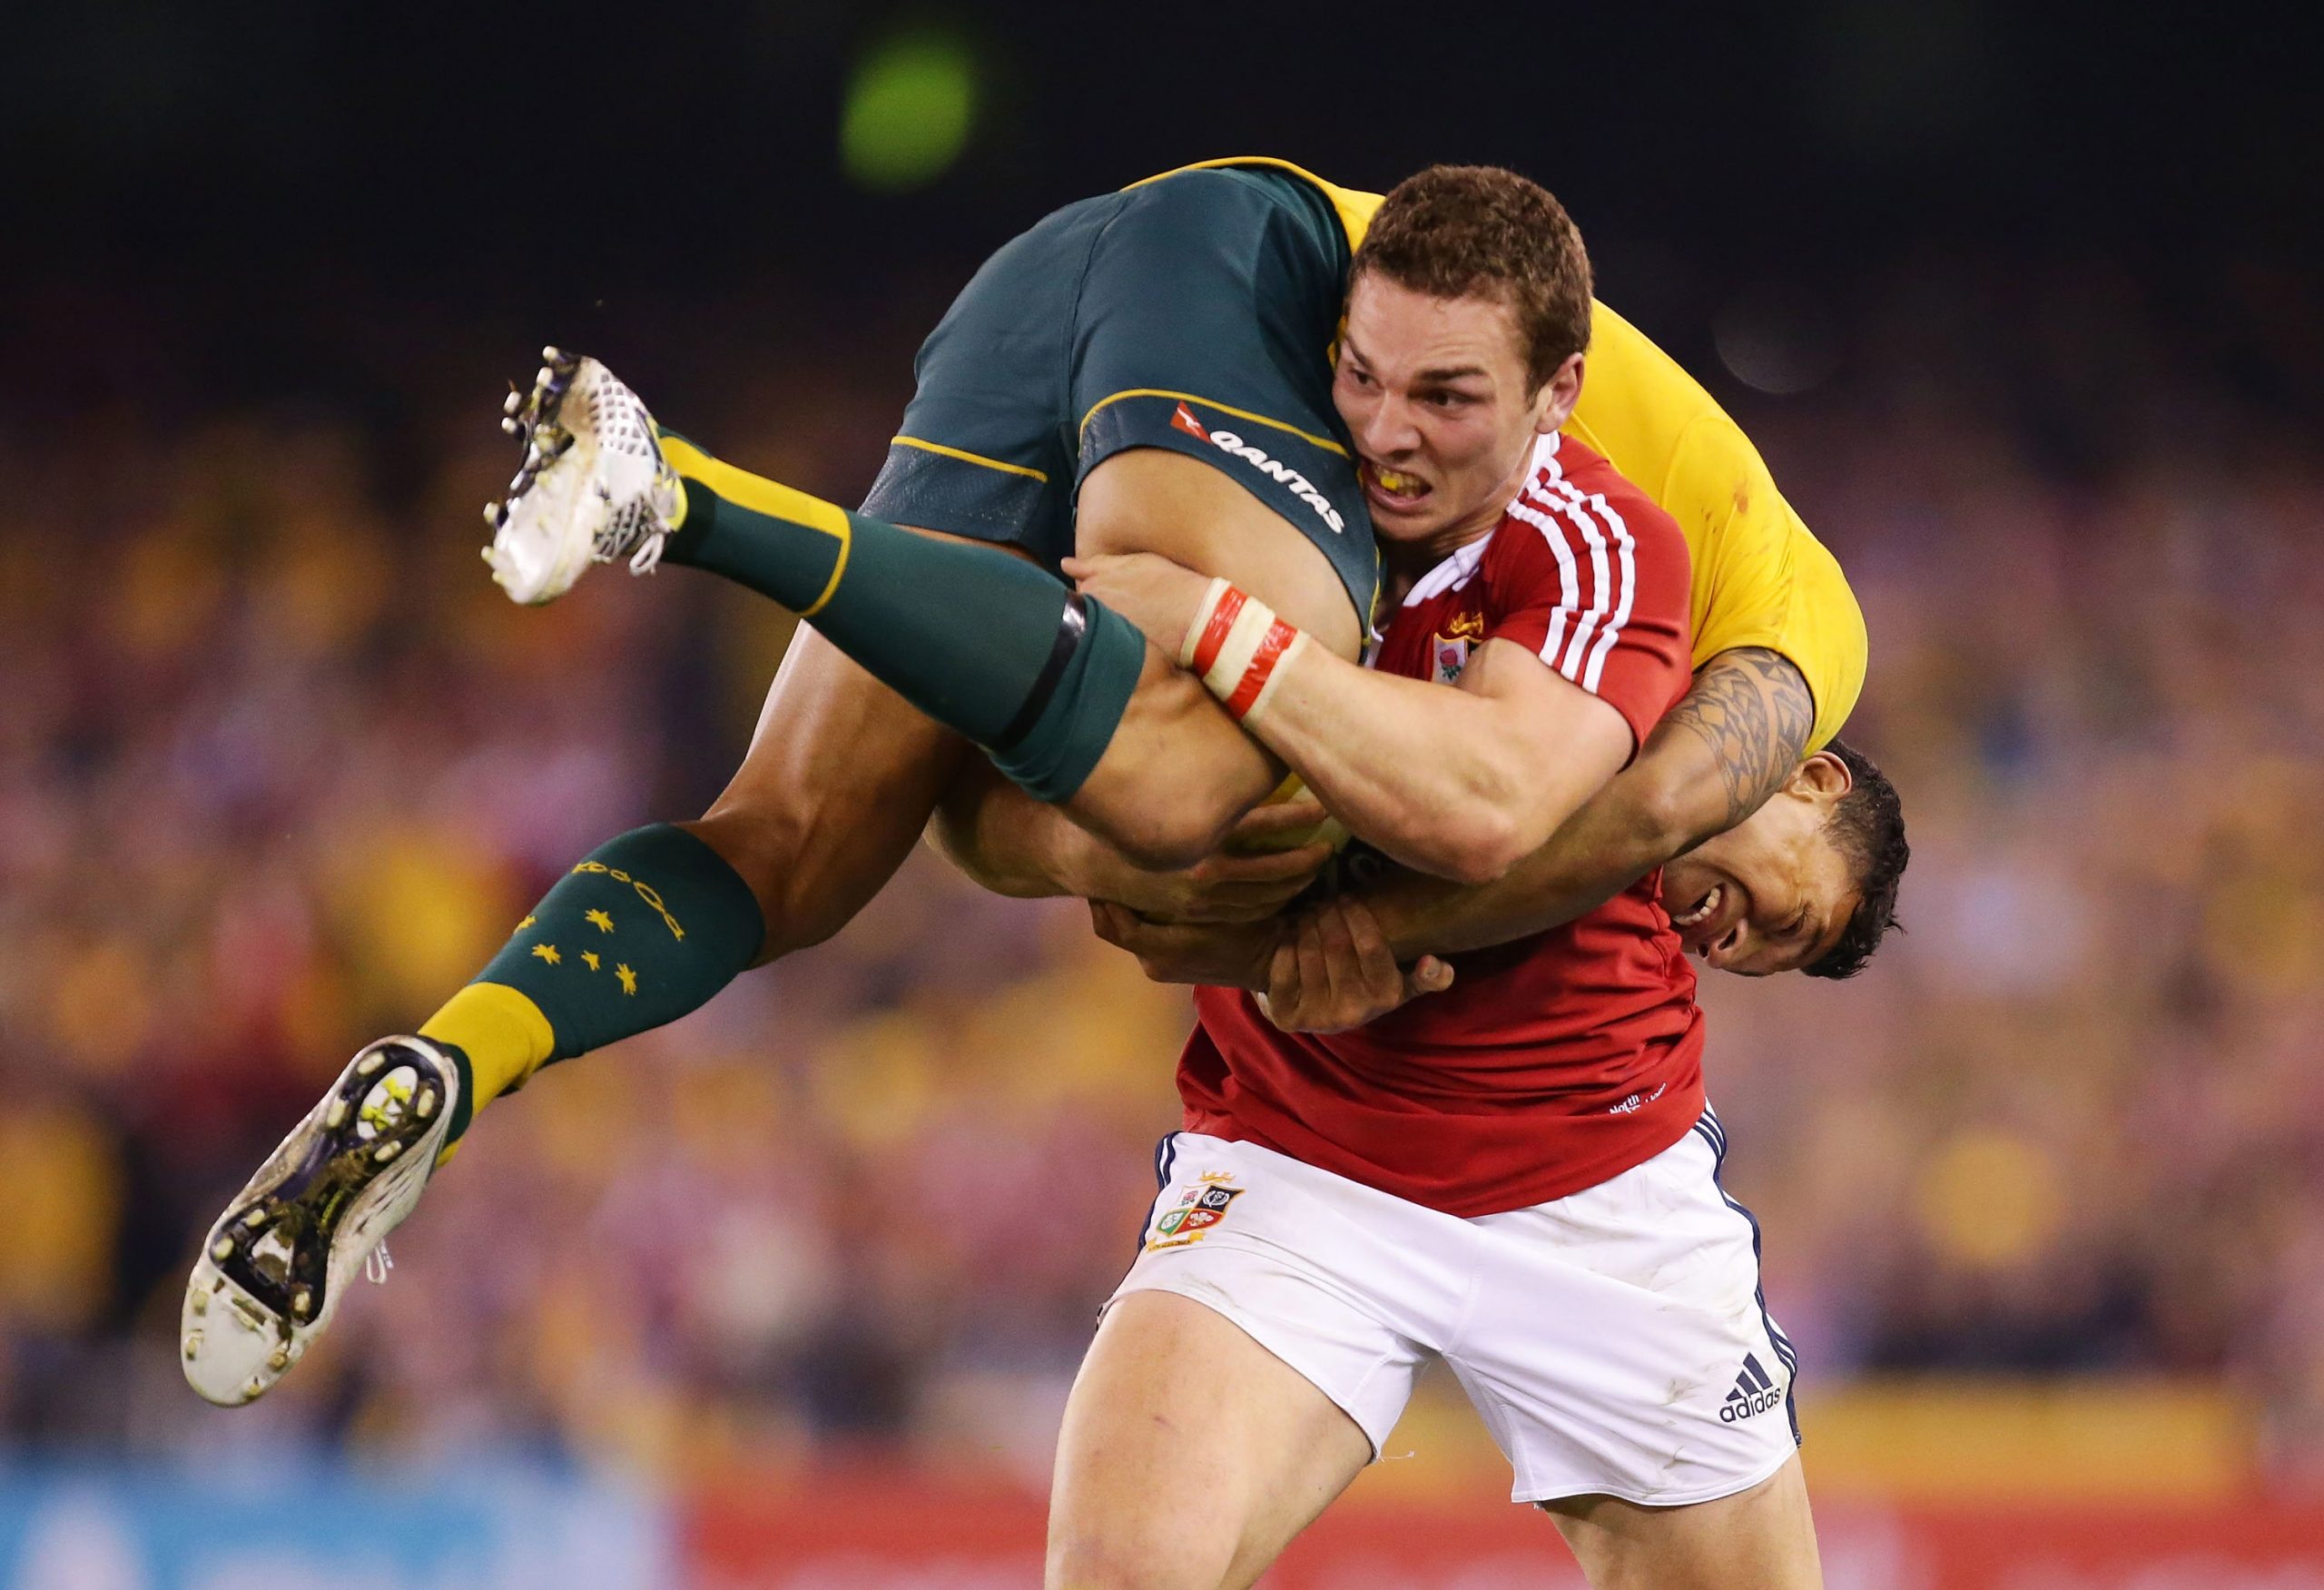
{"x":594,"y":485}
{"x":274,"y":1267}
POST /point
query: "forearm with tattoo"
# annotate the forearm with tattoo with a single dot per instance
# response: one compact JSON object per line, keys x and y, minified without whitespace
{"x":1751,"y":707}
{"x":1710,"y":762}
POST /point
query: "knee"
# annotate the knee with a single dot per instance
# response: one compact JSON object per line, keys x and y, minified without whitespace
{"x":747,"y":843}
{"x":764,"y":853}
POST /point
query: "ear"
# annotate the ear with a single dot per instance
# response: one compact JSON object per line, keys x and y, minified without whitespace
{"x":1558,"y":396}
{"x":1821,"y":777}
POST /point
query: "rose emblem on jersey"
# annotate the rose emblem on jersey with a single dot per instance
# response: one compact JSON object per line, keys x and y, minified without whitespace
{"x":1449,"y":651}
{"x":1450,"y":656}
{"x":1200,"y":1208}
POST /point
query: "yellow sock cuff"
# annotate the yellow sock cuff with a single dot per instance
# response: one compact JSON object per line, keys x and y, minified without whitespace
{"x":504,"y":1034}
{"x":755,"y":492}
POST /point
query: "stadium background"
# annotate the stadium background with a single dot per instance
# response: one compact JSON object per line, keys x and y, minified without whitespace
{"x":2025,"y":312}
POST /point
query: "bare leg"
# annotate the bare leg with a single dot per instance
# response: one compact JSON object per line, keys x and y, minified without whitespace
{"x":834,"y":791}
{"x":1190,"y":1454}
{"x":1764,"y":1537}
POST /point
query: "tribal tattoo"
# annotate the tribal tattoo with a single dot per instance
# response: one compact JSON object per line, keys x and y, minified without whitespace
{"x":1752,"y":708}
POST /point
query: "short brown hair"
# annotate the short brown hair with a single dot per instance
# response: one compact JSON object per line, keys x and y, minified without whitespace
{"x":1465,"y":231}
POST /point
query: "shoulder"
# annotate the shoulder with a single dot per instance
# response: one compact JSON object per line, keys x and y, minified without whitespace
{"x":1573,"y":467}
{"x":1577,"y":511}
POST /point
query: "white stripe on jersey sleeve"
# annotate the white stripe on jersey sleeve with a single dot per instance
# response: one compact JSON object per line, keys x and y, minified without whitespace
{"x":1613,"y":632}
{"x":1617,"y":613}
{"x":1568,"y":577}
{"x":1585,"y":618}
{"x":1626,"y":547}
{"x":1584,"y":630}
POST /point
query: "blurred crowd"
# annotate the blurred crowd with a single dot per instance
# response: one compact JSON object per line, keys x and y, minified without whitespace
{"x":279,"y":767}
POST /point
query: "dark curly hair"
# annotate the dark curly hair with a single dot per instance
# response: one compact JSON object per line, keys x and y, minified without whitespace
{"x":1464,"y":231}
{"x":1868,"y":827}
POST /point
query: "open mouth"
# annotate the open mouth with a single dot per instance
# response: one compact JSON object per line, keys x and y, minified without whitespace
{"x":1713,"y":924}
{"x":1393,"y":488}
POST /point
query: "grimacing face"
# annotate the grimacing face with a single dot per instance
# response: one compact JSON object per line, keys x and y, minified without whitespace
{"x":1434,"y":391}
{"x":1774,"y":892}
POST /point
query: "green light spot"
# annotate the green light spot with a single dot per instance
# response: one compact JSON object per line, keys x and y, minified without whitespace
{"x":908,"y":113}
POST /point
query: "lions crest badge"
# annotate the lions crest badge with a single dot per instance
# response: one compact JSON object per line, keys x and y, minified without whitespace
{"x":1200,"y":1208}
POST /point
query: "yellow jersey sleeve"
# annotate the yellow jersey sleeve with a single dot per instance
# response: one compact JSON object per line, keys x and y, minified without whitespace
{"x":1760,"y":577}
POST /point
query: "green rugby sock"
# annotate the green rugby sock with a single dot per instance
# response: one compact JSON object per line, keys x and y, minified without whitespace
{"x":980,"y":641}
{"x":646,"y":929}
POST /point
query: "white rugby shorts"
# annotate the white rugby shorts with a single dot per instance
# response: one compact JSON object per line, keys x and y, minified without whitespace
{"x":1614,"y":1342}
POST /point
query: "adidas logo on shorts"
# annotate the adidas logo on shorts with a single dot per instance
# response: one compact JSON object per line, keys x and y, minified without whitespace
{"x":1753,"y":1393}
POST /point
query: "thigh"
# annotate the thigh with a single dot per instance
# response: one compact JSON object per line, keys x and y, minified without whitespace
{"x":1190,"y":1454}
{"x":1764,"y":1537}
{"x":1149,"y":499}
{"x":1178,"y":772}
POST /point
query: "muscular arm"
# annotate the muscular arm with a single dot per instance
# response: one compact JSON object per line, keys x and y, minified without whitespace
{"x":1461,"y":783}
{"x":1714,"y":758}
{"x":1712,"y":761}
{"x":1739,"y":730}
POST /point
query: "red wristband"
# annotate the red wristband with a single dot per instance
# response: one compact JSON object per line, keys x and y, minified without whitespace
{"x":1214,"y":634}
{"x":1271,"y":650}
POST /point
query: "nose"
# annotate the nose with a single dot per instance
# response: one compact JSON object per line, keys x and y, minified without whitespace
{"x":1388,"y":431}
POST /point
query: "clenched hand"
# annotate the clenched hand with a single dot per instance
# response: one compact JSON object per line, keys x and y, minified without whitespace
{"x":1334,"y":971}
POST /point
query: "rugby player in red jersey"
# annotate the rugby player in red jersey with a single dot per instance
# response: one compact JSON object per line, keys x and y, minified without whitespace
{"x":1518,"y":1175}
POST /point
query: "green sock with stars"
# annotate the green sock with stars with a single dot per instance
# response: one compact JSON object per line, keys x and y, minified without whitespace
{"x":646,"y":929}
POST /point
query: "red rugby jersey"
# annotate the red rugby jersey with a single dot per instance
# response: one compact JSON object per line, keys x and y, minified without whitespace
{"x":1555,"y":1062}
